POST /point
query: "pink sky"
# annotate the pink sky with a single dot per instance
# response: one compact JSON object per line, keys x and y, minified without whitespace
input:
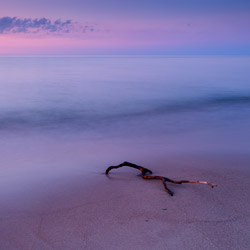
{"x":104,"y":34}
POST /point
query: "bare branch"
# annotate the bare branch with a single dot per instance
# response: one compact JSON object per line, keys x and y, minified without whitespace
{"x":145,"y":171}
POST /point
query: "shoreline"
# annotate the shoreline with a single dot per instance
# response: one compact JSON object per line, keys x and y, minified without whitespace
{"x":124,"y":211}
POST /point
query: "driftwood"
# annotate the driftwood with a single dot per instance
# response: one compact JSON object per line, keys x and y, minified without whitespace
{"x":145,"y":172}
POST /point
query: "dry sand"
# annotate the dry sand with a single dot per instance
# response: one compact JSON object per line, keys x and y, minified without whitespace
{"x":124,"y":211}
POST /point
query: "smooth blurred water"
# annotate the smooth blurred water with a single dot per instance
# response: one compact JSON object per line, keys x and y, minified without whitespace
{"x":77,"y":113}
{"x":78,"y":93}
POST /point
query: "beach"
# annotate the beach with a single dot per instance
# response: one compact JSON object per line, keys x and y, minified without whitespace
{"x":182,"y":118}
{"x":123,"y":211}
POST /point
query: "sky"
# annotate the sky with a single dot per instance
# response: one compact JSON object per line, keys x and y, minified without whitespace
{"x":79,"y":27}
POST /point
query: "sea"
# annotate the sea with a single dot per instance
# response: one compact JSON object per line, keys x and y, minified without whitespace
{"x":62,"y":117}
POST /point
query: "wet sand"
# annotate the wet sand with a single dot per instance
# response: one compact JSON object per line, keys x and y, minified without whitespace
{"x":123,"y":211}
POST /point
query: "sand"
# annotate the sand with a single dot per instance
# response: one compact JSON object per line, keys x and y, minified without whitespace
{"x":123,"y":211}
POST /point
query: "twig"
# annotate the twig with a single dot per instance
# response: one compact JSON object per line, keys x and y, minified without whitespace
{"x":145,"y":171}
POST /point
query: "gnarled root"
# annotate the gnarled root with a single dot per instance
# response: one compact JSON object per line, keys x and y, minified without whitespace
{"x":145,"y":172}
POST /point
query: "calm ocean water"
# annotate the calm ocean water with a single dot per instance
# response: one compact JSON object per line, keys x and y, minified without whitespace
{"x":60,"y":113}
{"x":87,"y":94}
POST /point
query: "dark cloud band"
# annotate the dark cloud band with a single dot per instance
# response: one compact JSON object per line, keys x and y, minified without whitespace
{"x":28,"y":25}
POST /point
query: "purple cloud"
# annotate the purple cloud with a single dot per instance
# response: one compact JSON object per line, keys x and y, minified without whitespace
{"x":27,"y":25}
